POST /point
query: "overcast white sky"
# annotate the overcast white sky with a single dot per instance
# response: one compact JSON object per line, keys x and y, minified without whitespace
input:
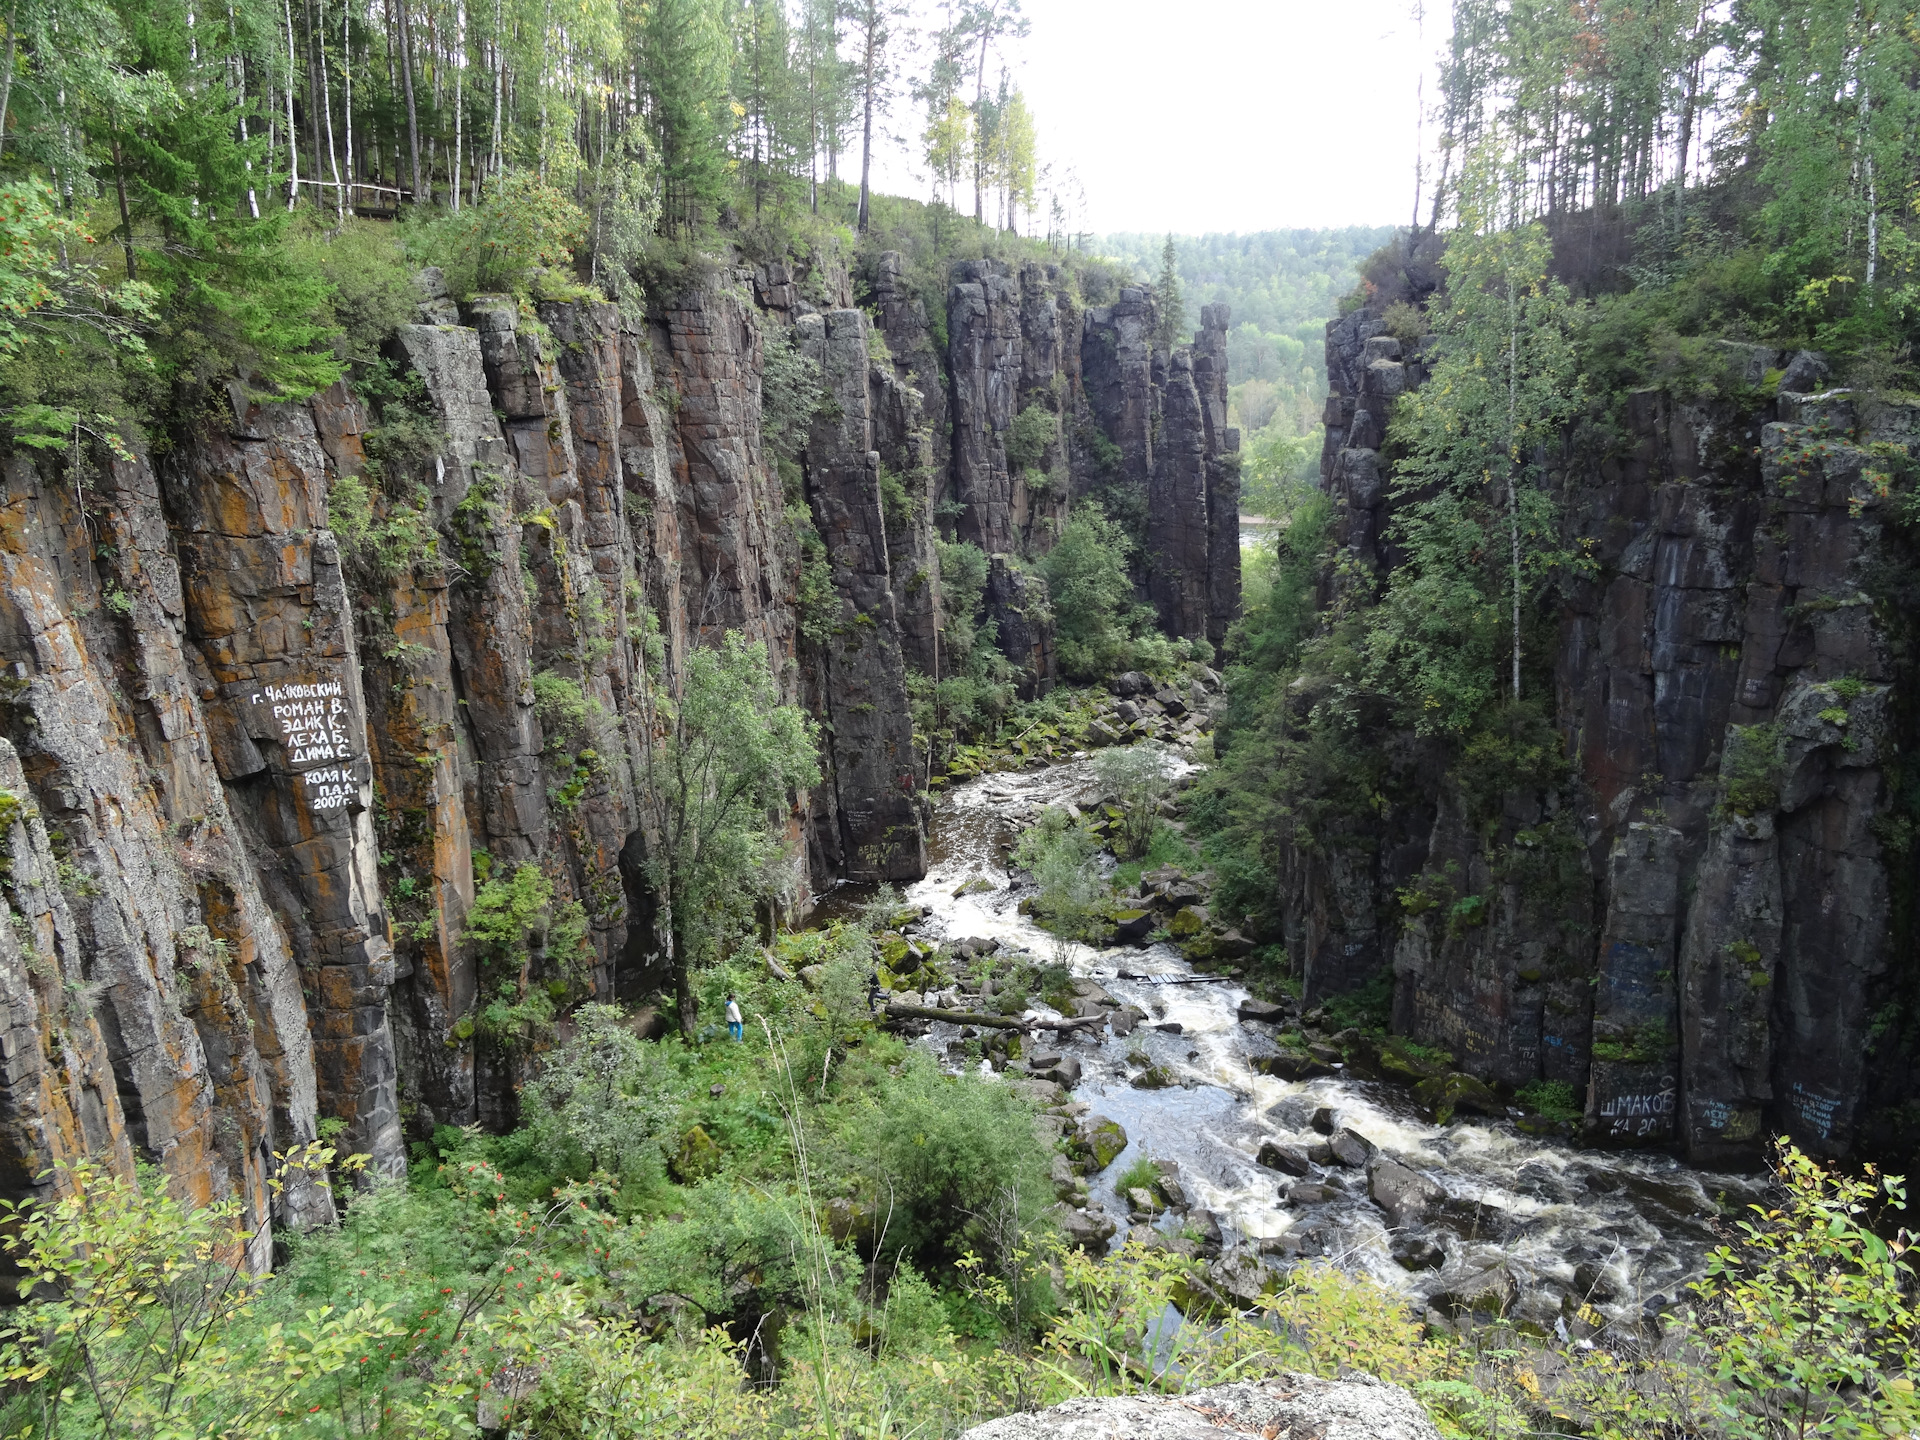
{"x":1235,"y":115}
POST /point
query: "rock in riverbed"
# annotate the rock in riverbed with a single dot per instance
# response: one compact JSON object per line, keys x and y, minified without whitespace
{"x":1356,"y":1408}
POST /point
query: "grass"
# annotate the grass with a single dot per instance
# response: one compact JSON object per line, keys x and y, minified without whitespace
{"x":1141,"y":1175}
{"x":1168,"y":847}
{"x":1553,"y":1099}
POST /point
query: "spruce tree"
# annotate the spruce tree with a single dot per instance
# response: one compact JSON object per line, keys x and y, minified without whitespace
{"x":1172,"y":323}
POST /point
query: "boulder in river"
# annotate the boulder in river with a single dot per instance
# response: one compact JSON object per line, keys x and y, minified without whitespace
{"x":1087,"y":1229}
{"x":1401,"y":1191}
{"x":1444,"y":1094}
{"x":1288,"y":1063}
{"x":1400,"y":1059}
{"x":1311,"y":1192}
{"x":1168,"y":1186}
{"x":1123,"y":1020}
{"x":1357,"y":1407}
{"x":1351,"y":1148}
{"x":1231,"y":945}
{"x":1265,"y":1011}
{"x":1063,"y":1070}
{"x":1098,"y":1140}
{"x":1288,"y":1159}
{"x":1155,"y":1077}
{"x":1487,"y":1291}
{"x":1132,"y":927}
{"x":1417,"y":1252}
{"x":1187,"y":922}
{"x":1040,"y":1092}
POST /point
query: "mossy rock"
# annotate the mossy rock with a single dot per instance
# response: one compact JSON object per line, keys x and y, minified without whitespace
{"x":1155,"y":1077}
{"x":893,"y":947}
{"x":1401,"y":1060}
{"x":1291,"y":1063}
{"x":1188,"y":921}
{"x":1099,"y":1140}
{"x":697,"y":1158}
{"x":1444,"y":1094}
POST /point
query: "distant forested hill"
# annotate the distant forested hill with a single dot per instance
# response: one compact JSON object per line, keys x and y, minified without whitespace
{"x":1283,"y":285}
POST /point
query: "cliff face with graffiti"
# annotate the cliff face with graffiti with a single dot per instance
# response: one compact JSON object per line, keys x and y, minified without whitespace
{"x":284,"y":697}
{"x":1697,"y":915}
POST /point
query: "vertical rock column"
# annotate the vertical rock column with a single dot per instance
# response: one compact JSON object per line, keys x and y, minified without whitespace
{"x":983,"y":329}
{"x":910,"y":432}
{"x":59,"y":1104}
{"x":1116,"y":368}
{"x":739,"y":564}
{"x":1635,"y":1032}
{"x":1178,"y":538}
{"x":1223,"y":473}
{"x":870,"y":759}
{"x":268,"y":611}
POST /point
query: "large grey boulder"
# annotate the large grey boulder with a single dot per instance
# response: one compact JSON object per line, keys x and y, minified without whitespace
{"x":1404,"y":1193}
{"x":1357,"y":1408}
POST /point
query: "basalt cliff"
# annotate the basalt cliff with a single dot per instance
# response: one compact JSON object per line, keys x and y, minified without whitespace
{"x":252,"y":776}
{"x":1706,"y":928}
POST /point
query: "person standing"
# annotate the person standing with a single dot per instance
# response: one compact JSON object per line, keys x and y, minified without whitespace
{"x":736,"y":1026}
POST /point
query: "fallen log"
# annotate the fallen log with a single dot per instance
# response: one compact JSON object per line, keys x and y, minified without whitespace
{"x":898,"y":1011}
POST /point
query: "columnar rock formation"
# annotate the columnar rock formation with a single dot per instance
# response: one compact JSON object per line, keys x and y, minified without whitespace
{"x":1165,"y":419}
{"x":872,"y":776}
{"x":1699,"y":929}
{"x":282,"y":701}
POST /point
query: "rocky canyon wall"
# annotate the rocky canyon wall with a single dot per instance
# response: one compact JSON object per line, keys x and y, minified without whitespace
{"x":1704,"y":929}
{"x":287,"y":697}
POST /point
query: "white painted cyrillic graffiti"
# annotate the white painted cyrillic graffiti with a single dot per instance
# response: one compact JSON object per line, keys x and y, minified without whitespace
{"x":314,"y":725}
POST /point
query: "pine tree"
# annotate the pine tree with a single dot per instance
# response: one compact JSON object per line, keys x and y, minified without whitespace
{"x":1171,"y":325}
{"x":877,"y":26}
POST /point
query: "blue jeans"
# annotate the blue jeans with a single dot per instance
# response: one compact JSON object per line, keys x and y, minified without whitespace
{"x":736,"y":1029}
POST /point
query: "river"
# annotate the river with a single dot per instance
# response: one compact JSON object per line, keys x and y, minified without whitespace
{"x":1622,"y":1231}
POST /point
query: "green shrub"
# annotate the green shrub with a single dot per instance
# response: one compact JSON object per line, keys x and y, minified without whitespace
{"x":1138,"y":778}
{"x":518,"y":932}
{"x":1750,"y":769}
{"x":961,"y":1161}
{"x":1033,"y":430}
{"x":371,"y":282}
{"x":1367,"y":1007}
{"x":600,"y":1100}
{"x":1141,"y":1175}
{"x":1555,"y":1099}
{"x":791,"y":394}
{"x":1096,"y":620}
{"x":522,"y":226}
{"x":1060,"y":854}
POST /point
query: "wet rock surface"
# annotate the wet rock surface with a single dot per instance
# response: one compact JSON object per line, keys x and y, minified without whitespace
{"x":1355,"y":1408}
{"x":1345,"y":1164}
